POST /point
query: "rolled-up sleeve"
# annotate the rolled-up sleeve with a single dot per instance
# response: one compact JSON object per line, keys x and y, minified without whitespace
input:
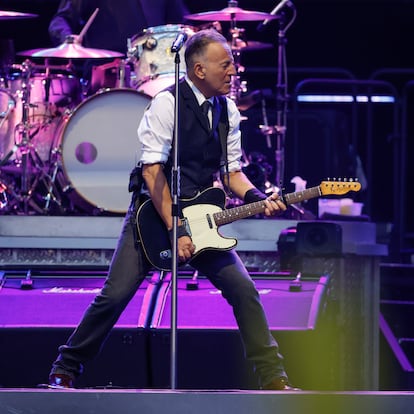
{"x":156,"y":129}
{"x":234,"y":149}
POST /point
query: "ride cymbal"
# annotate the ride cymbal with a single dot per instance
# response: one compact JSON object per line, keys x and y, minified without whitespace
{"x":230,"y":14}
{"x":71,"y":49}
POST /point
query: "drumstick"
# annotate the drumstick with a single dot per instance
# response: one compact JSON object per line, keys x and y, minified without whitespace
{"x":86,"y":27}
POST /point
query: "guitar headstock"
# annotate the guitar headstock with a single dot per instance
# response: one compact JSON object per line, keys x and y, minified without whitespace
{"x":339,"y":187}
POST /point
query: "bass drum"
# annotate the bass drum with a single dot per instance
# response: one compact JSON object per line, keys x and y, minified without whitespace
{"x":154,"y":65}
{"x":98,"y":147}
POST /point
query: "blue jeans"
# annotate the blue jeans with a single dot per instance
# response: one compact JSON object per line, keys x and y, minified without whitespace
{"x":129,"y":268}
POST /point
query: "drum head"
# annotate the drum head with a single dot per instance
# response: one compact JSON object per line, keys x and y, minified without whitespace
{"x":100,"y":147}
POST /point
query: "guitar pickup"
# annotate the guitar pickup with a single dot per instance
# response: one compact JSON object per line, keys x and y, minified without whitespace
{"x":209,"y":221}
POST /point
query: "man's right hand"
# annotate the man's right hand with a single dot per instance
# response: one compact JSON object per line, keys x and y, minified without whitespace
{"x":185,"y":248}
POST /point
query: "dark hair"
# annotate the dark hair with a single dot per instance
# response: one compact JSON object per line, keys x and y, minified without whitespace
{"x":198,"y":42}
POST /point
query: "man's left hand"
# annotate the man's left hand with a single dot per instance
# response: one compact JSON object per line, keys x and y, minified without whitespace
{"x":274,"y":205}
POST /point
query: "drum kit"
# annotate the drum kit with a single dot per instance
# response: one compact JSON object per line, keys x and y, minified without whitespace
{"x":67,"y":151}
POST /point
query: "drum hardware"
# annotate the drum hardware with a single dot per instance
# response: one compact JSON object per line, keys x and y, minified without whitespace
{"x":49,"y":84}
{"x":279,"y":130}
{"x":247,"y":101}
{"x":237,"y":86}
{"x":232,"y":14}
{"x":3,"y":196}
{"x":11,"y":103}
{"x":115,"y":74}
{"x":51,"y":188}
{"x":211,"y":25}
{"x":30,"y":167}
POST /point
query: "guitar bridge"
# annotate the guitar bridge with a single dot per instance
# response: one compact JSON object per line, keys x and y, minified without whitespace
{"x":184,"y":221}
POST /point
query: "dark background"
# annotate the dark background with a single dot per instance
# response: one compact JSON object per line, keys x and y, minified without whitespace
{"x":357,"y":41}
{"x":358,"y":35}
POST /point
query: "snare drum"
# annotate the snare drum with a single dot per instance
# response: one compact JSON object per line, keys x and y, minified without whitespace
{"x":154,"y":66}
{"x":98,"y":144}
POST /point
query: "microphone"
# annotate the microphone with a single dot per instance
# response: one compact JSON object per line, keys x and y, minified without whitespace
{"x":178,"y":42}
{"x":275,"y":11}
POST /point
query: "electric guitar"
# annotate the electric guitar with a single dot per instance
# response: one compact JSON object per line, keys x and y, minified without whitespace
{"x":205,"y":213}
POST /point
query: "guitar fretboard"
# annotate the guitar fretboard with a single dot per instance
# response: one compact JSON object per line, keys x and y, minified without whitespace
{"x":250,"y":210}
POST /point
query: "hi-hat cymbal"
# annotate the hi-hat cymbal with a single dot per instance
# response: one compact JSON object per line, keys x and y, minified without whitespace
{"x":246,"y":46}
{"x":11,"y":15}
{"x":71,"y":50}
{"x":230,"y":14}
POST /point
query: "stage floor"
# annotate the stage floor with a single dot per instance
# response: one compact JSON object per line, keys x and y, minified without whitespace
{"x":43,"y":401}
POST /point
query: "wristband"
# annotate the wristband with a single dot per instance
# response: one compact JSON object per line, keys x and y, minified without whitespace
{"x":253,"y":195}
{"x":181,"y":231}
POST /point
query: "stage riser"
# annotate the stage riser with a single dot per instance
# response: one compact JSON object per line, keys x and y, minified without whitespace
{"x":160,"y":402}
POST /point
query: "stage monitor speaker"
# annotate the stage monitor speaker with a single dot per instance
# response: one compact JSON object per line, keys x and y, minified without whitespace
{"x":34,"y":322}
{"x":316,"y":238}
{"x":210,"y":354}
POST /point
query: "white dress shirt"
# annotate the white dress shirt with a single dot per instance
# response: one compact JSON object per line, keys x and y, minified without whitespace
{"x":156,"y":130}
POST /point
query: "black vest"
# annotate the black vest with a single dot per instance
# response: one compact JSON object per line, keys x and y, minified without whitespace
{"x":201,"y":152}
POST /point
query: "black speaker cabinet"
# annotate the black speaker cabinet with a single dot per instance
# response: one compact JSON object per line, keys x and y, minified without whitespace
{"x":210,"y":354}
{"x":318,"y":238}
{"x":35,"y":322}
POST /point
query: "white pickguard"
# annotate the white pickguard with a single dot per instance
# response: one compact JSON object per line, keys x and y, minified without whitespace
{"x":204,"y":231}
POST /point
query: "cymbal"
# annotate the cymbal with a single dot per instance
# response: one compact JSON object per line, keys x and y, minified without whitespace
{"x":11,"y":15}
{"x":246,"y":46}
{"x":230,"y":14}
{"x":71,"y":50}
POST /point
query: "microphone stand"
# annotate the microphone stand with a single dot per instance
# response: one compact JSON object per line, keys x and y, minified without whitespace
{"x":175,"y":192}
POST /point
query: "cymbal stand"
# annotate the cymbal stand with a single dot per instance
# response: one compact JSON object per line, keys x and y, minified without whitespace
{"x":51,"y":188}
{"x":49,"y":178}
{"x":237,"y":86}
{"x":279,"y":130}
{"x":24,"y":133}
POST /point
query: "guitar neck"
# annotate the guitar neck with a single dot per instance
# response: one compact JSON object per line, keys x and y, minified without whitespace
{"x":250,"y":210}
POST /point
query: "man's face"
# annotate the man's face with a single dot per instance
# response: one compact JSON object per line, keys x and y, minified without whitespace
{"x":218,"y":68}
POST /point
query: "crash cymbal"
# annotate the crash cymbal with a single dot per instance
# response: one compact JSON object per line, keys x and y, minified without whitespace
{"x":11,"y":15}
{"x":71,"y":50}
{"x":246,"y":46}
{"x":230,"y":14}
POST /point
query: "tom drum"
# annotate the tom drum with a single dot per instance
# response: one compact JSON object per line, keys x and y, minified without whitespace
{"x":154,"y":66}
